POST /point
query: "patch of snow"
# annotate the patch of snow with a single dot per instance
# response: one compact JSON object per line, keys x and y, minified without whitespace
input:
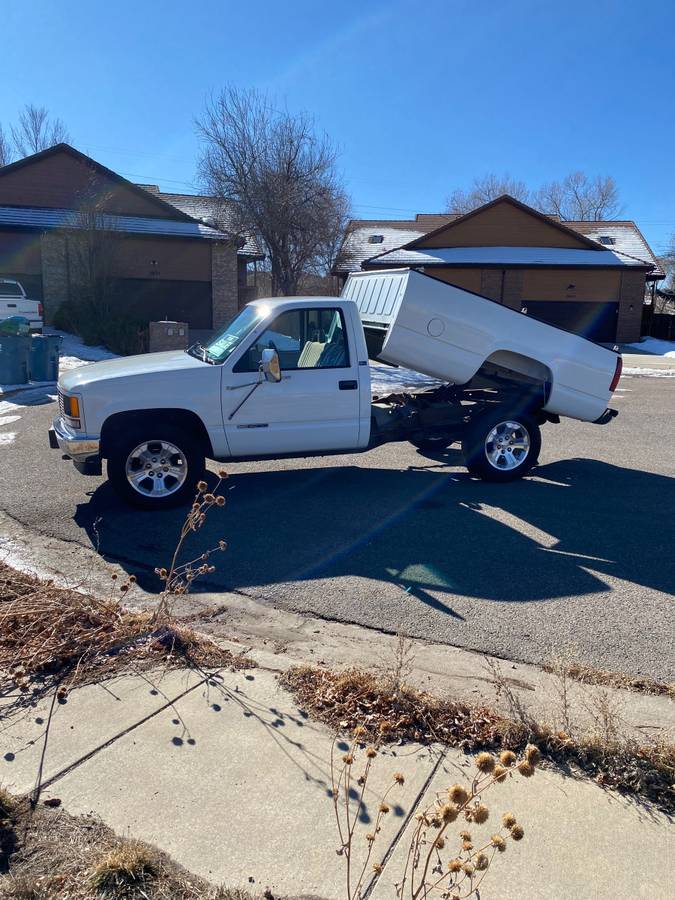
{"x":34,"y":397}
{"x":7,"y":437}
{"x":651,"y":373}
{"x":389,"y":379}
{"x":7,"y":420}
{"x":75,"y":353}
{"x":655,"y":346}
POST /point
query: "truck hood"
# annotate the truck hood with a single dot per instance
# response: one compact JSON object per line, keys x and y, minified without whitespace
{"x":129,"y":366}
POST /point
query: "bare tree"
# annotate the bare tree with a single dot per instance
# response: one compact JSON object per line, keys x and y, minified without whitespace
{"x":36,"y":130}
{"x":5,"y":152}
{"x":576,"y":198}
{"x":580,"y":198}
{"x":486,"y":188}
{"x":93,"y":249}
{"x":280,"y":178}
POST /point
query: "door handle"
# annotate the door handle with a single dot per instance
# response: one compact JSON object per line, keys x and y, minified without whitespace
{"x":348,"y":385}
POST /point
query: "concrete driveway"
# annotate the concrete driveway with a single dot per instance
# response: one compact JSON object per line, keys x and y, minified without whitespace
{"x":579,"y":556}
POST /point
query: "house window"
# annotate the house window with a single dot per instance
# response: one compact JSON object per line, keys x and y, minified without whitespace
{"x":376,"y":239}
{"x":607,"y":240}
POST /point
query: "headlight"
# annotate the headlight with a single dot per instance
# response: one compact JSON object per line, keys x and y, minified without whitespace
{"x":70,"y":409}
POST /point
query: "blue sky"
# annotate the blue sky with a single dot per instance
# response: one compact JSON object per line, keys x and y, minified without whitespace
{"x":420,"y":96}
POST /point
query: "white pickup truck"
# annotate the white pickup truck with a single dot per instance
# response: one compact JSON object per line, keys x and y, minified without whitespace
{"x":14,"y":302}
{"x":290,"y":377}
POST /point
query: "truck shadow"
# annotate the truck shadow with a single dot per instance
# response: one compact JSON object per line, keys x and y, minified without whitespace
{"x":433,"y":533}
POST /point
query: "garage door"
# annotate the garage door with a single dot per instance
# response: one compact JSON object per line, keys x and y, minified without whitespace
{"x":152,"y":300}
{"x":596,"y":321}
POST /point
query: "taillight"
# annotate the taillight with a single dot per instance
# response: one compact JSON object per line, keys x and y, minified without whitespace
{"x":617,"y":374}
{"x":39,"y":310}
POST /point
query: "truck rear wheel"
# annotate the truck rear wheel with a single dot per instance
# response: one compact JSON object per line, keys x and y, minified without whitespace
{"x":156,"y":466}
{"x":501,"y":447}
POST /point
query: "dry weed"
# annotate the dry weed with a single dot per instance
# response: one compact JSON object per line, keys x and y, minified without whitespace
{"x":58,"y":638}
{"x":356,"y":698}
{"x":590,"y":675}
{"x":63,"y":857}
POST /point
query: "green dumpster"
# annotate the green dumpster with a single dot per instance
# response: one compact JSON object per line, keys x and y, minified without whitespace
{"x":44,"y":357}
{"x":14,"y":359}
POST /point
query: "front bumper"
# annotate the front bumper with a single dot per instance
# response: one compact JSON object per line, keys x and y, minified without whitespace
{"x":81,"y":448}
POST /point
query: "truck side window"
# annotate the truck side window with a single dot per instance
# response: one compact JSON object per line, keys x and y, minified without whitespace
{"x":304,"y":339}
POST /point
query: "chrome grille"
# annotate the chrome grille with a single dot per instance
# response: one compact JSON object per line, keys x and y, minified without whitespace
{"x":62,"y":407}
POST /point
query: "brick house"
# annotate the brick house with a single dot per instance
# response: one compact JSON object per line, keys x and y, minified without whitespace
{"x":170,"y":263}
{"x":587,"y":277}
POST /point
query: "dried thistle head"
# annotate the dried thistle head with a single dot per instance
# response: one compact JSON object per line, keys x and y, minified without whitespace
{"x":467,"y":845}
{"x":482,"y":862}
{"x":201,"y":486}
{"x":348,"y":759}
{"x":498,"y":841}
{"x":458,"y":794}
{"x":480,"y":814}
{"x":465,"y":835}
{"x":533,"y":754}
{"x":508,"y":820}
{"x":455,"y":865}
{"x":525,"y":768}
{"x":485,"y":762}
{"x":439,"y":842}
{"x":220,"y":500}
{"x":399,"y":778}
{"x":517,"y":832}
{"x":359,"y":731}
{"x":508,"y":758}
{"x":449,"y":812}
{"x":384,"y":808}
{"x":500,"y":773}
{"x":371,"y":752}
{"x":468,"y":868}
{"x":377,"y":868}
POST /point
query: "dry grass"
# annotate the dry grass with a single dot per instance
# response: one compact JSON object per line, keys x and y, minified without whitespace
{"x":589,"y":675}
{"x":78,"y":858}
{"x":52,"y":637}
{"x":346,"y":700}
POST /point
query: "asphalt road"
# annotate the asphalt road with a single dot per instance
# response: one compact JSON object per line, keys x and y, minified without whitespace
{"x":579,"y":556}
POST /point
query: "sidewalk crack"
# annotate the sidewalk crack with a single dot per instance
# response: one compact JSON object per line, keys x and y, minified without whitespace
{"x":442,"y":756}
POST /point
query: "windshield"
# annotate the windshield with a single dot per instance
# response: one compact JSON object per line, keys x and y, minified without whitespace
{"x":226,"y":341}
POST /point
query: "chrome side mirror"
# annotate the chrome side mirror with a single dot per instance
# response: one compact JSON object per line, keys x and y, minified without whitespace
{"x":269,"y":365}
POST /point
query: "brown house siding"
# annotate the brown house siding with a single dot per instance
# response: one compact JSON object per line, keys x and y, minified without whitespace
{"x":60,"y":181}
{"x":503,"y":225}
{"x":163,"y":259}
{"x":469,"y":279}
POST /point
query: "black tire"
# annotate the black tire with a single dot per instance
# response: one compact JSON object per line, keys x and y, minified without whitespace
{"x":191,"y":455}
{"x":489,"y":461}
{"x":430,"y":441}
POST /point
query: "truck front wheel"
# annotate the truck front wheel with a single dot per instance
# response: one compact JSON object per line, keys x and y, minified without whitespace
{"x":156,"y":466}
{"x":501,"y":447}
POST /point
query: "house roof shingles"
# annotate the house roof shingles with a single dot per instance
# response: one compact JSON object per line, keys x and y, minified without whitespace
{"x":629,"y":243}
{"x":43,"y":217}
{"x":208,"y":208}
{"x":506,"y":256}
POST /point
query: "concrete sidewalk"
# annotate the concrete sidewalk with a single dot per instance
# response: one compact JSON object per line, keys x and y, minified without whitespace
{"x":224,"y":772}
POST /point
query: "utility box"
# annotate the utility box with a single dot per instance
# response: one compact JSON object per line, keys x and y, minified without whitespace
{"x":168,"y":336}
